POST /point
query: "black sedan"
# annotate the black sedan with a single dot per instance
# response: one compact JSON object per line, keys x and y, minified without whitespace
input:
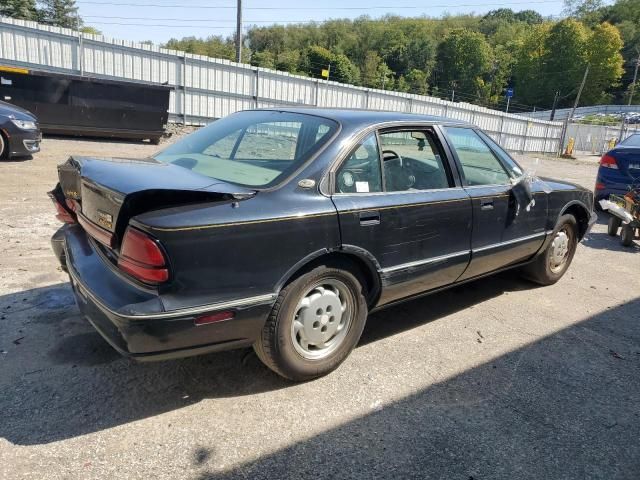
{"x":19,"y":132}
{"x":283,"y":229}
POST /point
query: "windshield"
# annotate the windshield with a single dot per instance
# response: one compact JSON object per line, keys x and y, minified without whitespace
{"x":252,"y":148}
{"x":632,"y":141}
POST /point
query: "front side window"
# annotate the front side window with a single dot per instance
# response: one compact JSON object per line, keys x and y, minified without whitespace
{"x":360,"y":172}
{"x":479,"y":165}
{"x":514,"y":169}
{"x":412,"y":161}
{"x":253,"y":148}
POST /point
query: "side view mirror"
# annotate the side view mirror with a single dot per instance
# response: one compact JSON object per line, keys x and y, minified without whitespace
{"x":522,"y":193}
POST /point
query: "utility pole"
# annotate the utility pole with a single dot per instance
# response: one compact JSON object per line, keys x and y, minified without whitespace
{"x":239,"y":33}
{"x":635,"y":77}
{"x":453,"y":95}
{"x":555,"y":103}
{"x":506,"y":110}
{"x":575,"y":105}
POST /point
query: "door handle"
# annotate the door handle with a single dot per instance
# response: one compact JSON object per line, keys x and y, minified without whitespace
{"x":370,"y":217}
{"x":486,"y":204}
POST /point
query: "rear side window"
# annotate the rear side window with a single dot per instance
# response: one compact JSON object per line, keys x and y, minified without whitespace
{"x":479,"y":165}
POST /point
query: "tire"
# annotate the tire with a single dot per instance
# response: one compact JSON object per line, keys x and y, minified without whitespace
{"x":626,"y":235}
{"x":302,"y":314}
{"x":3,"y":147}
{"x":545,"y":269}
{"x":614,"y":225}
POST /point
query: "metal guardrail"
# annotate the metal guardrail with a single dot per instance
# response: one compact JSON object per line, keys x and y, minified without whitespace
{"x":207,"y":88}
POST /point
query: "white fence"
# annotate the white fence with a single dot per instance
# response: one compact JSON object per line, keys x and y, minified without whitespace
{"x":206,"y":88}
{"x":563,"y":113}
{"x":596,"y":139}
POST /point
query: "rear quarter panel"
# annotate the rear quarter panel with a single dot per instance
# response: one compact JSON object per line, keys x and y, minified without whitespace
{"x":240,"y":249}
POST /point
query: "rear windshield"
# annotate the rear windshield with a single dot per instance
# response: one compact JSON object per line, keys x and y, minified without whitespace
{"x":253,"y":148}
{"x":632,"y":141}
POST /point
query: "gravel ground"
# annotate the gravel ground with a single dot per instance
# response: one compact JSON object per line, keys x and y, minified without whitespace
{"x":494,"y":379}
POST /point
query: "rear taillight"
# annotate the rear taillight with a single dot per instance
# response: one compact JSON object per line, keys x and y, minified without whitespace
{"x":142,"y":258}
{"x":607,"y":161}
{"x":62,"y":213}
{"x":600,"y":186}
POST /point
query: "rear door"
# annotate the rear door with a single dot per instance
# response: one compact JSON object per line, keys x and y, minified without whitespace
{"x":503,"y":234}
{"x":399,"y":200}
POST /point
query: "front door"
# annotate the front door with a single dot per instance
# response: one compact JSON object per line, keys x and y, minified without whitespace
{"x":503,"y":233}
{"x":398,"y":200}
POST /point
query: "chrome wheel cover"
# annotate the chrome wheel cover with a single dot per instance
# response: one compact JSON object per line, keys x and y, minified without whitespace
{"x":560,"y":248}
{"x":322,"y":319}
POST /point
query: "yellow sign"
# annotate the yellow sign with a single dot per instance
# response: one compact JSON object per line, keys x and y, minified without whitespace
{"x":325,"y":73}
{"x":13,"y":69}
{"x":570,"y":144}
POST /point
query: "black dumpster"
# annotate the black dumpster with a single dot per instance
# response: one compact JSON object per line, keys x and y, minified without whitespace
{"x":78,"y":105}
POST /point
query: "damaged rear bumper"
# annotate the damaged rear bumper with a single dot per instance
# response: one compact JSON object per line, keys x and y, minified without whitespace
{"x":132,"y":319}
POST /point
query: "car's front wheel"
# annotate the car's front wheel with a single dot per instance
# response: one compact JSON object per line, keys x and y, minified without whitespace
{"x":549,"y":266}
{"x":315,"y":323}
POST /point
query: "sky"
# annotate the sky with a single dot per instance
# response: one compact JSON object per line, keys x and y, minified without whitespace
{"x":160,"y":20}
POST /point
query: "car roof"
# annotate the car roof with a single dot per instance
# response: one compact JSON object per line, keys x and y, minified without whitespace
{"x":367,"y":117}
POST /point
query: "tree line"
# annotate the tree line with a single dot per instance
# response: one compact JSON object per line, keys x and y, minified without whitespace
{"x":59,"y":13}
{"x":473,"y":58}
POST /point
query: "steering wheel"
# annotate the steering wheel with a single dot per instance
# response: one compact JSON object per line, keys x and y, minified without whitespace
{"x":391,"y":155}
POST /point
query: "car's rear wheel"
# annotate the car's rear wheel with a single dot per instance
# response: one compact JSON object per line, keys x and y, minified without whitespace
{"x":315,"y":323}
{"x":3,"y":147}
{"x":626,"y":235}
{"x":614,"y":225}
{"x":550,"y":265}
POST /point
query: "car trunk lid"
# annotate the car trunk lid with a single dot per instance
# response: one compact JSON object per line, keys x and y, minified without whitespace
{"x":107,"y":192}
{"x":628,"y":160}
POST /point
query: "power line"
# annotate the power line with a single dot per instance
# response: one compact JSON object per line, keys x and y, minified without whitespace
{"x":378,"y":7}
{"x":210,"y":21}
{"x":163,"y":25}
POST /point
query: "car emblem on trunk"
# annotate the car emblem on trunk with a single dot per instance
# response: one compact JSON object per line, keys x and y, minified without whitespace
{"x":105,"y":219}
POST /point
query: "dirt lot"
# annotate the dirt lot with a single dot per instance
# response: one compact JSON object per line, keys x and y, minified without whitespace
{"x":495,"y":379}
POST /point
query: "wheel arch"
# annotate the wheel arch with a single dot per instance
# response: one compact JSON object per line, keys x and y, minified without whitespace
{"x":580,"y":212}
{"x":5,"y":147}
{"x":356,"y":260}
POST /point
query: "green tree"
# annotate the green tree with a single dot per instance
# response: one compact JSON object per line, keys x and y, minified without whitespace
{"x":401,"y":84}
{"x":466,"y":60}
{"x":213,"y":46}
{"x":288,"y":61}
{"x":316,"y":59}
{"x":264,"y":59}
{"x":370,"y":70}
{"x":530,"y":17}
{"x":95,"y":31}
{"x":343,"y":70}
{"x":605,"y":63}
{"x":20,"y":9}
{"x":61,"y":13}
{"x":417,"y":81}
